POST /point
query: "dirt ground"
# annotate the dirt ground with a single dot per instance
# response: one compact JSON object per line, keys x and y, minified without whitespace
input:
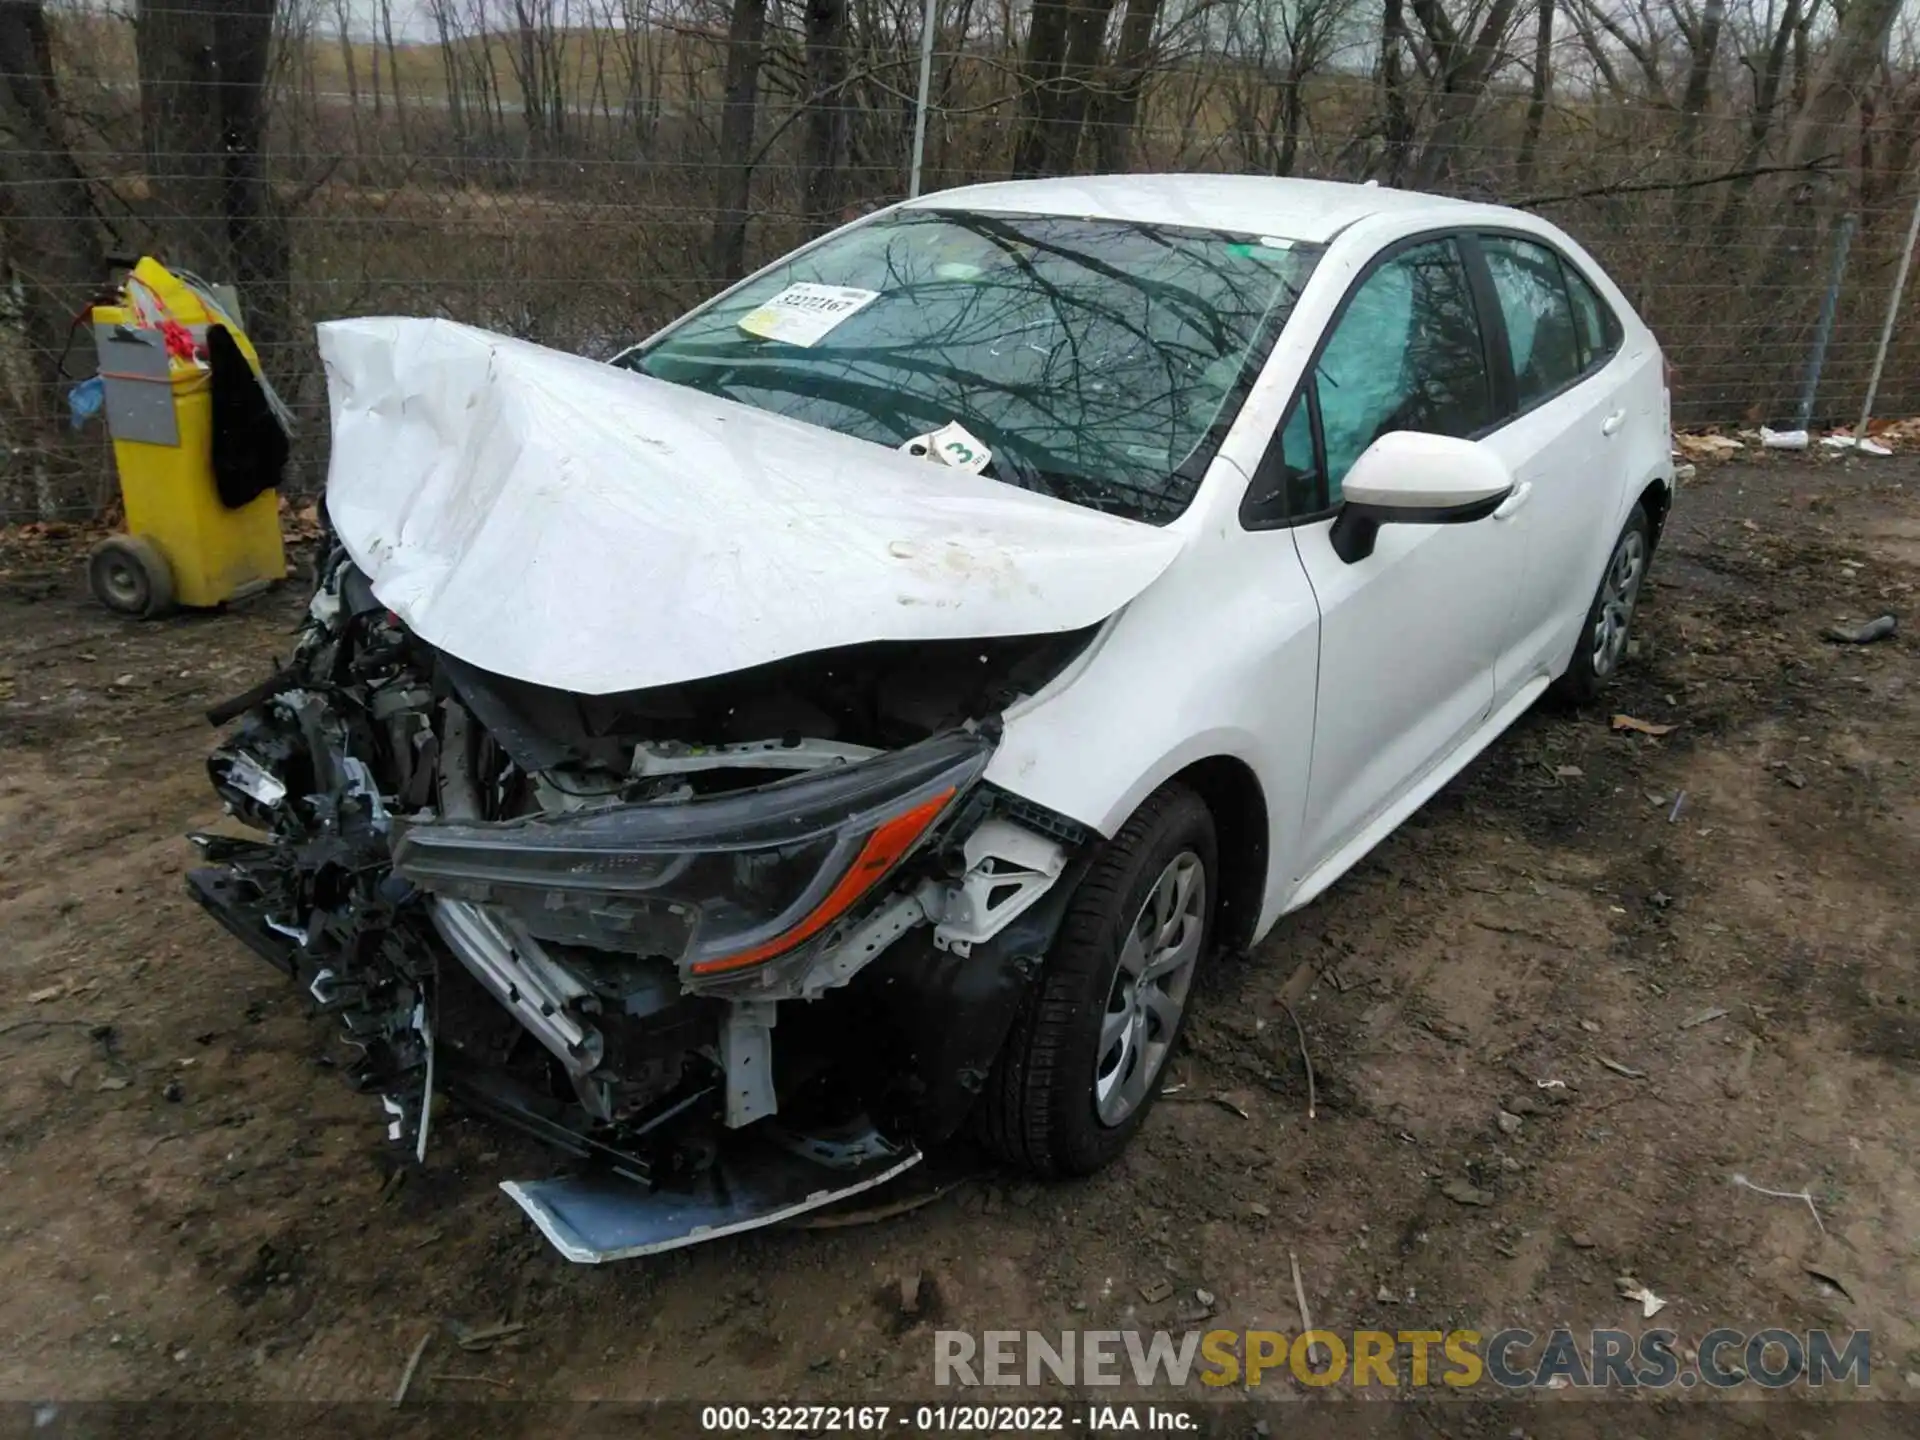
{"x":193,"y":1204}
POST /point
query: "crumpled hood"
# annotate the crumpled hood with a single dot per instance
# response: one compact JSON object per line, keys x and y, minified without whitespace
{"x":577,"y":525}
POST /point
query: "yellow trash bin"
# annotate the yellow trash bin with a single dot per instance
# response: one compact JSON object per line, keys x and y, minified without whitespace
{"x":183,"y":546}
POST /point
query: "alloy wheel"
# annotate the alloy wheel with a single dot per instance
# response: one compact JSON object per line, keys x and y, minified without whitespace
{"x":1149,"y":989}
{"x":1619,"y":593}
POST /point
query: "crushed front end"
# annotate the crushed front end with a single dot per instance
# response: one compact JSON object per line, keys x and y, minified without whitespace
{"x":737,"y":947}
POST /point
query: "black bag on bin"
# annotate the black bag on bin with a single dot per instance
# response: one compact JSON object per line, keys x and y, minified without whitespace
{"x":250,"y":446}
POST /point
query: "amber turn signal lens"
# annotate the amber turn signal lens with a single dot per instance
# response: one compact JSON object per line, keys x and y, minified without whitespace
{"x":879,"y":855}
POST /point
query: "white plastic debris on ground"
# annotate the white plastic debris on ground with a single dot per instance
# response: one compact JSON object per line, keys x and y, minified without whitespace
{"x":1631,"y":1289}
{"x":1868,"y":446}
{"x":1782,"y":439}
{"x":574,"y":524}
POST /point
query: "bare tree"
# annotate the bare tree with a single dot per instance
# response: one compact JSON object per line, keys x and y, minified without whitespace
{"x":827,"y":105}
{"x":203,"y":79}
{"x":537,"y":58}
{"x":1844,"y":76}
{"x":1396,"y":113}
{"x":1537,"y":95}
{"x":1117,"y":109}
{"x":349,"y":62}
{"x":1063,"y":43}
{"x":1766,"y":66}
{"x":1463,"y":63}
{"x":1278,"y":50}
{"x":483,"y":74}
{"x":393,"y":68}
{"x":1792,"y":247}
{"x":446,"y":27}
{"x":51,"y":256}
{"x":746,"y":31}
{"x":181,"y":91}
{"x":1703,"y":40}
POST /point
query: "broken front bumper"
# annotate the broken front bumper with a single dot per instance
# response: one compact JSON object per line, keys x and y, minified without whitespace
{"x":608,"y":979}
{"x":672,"y":1180}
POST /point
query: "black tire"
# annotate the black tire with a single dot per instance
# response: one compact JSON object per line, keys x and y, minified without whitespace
{"x":1595,"y":663}
{"x":1039,"y":1109}
{"x":130,"y":576}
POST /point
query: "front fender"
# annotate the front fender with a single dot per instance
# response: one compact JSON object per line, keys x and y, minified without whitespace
{"x":1220,"y":658}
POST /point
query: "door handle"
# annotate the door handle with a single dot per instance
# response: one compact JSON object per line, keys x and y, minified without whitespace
{"x":1613,"y":422}
{"x":1517,"y":497}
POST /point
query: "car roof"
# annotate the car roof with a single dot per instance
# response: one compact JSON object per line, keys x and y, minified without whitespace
{"x":1313,"y":211}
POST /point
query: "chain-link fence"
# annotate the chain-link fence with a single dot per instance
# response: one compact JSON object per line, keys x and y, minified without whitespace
{"x":577,"y":171}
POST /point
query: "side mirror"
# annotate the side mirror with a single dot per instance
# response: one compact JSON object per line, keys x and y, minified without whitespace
{"x":1407,"y":478}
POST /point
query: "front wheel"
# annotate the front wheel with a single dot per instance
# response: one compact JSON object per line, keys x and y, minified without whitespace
{"x":1090,"y":1047}
{"x":1602,"y":644}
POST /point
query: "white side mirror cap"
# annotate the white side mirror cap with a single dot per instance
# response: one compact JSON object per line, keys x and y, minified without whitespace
{"x":1408,"y":471}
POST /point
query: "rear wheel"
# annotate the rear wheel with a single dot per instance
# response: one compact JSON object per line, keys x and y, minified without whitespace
{"x":130,"y":576}
{"x":1087,"y":1054}
{"x":1603,"y":638}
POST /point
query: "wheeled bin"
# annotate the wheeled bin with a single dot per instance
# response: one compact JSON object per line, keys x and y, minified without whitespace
{"x":193,"y":538}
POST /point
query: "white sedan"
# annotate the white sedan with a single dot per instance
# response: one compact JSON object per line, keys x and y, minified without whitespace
{"x":860,"y":708}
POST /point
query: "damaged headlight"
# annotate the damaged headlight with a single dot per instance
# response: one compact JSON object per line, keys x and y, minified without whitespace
{"x":717,"y":883}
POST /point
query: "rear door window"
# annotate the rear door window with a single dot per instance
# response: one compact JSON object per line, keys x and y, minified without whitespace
{"x":1545,"y":337}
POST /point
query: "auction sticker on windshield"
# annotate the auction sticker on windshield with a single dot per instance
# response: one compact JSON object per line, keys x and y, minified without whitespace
{"x":802,"y":314}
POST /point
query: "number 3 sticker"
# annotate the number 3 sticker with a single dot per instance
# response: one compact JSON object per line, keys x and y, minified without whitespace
{"x":956,"y":447}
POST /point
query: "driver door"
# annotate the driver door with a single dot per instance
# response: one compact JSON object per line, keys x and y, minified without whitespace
{"x":1410,"y":634}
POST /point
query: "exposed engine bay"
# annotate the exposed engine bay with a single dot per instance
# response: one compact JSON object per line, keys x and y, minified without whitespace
{"x":738,"y":947}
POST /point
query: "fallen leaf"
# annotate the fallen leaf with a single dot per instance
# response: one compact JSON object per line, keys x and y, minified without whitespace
{"x":1830,"y":1278}
{"x":41,"y":997}
{"x":1707,"y":447}
{"x":1619,"y":1069}
{"x":487,"y":1336}
{"x":1641,"y":727}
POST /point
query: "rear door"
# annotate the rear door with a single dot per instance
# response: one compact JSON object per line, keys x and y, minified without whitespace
{"x":1566,"y":444}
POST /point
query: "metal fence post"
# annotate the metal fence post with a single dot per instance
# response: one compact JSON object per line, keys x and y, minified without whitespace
{"x":1886,"y":329}
{"x":1823,"y":330}
{"x":927,"y":23}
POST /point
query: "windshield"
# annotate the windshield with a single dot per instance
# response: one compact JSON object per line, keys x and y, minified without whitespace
{"x":1096,"y":360}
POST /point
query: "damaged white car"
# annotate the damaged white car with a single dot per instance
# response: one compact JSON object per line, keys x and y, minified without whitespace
{"x":856,"y":711}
